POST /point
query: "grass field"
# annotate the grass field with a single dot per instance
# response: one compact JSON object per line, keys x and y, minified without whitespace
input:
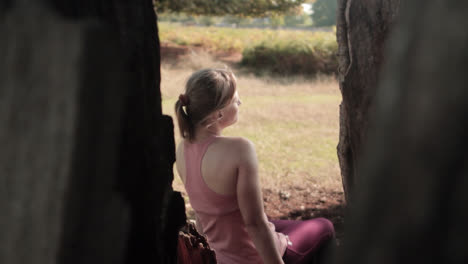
{"x":293,"y":123}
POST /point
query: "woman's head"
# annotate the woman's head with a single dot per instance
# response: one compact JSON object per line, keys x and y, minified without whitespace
{"x":206,"y":92}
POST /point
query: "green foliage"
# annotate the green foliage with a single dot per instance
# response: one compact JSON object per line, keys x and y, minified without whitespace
{"x":324,"y":13}
{"x":294,"y":55}
{"x":224,"y":7}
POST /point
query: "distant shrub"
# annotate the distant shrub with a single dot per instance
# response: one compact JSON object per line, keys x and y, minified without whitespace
{"x":293,"y":56}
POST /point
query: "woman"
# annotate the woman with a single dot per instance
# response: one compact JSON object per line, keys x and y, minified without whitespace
{"x":221,"y":180}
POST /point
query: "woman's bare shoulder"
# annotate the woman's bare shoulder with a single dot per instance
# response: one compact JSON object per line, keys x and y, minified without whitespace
{"x":237,"y":144}
{"x":240,"y":141}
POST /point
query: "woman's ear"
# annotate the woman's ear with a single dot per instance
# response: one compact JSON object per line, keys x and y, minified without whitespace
{"x":213,"y":118}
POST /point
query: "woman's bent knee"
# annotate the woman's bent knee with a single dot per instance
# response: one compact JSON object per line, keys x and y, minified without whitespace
{"x":327,"y":227}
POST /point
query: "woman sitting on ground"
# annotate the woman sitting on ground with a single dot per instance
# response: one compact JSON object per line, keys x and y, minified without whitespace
{"x":221,"y":179}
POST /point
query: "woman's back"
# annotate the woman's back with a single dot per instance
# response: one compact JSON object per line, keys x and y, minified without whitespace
{"x":209,"y":171}
{"x":219,"y":163}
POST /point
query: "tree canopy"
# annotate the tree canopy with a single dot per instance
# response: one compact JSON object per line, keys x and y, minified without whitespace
{"x":228,"y":7}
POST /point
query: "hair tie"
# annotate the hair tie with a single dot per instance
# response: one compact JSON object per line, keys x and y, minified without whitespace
{"x":184,"y":99}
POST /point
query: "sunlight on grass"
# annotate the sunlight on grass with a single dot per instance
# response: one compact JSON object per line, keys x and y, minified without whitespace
{"x":293,"y":124}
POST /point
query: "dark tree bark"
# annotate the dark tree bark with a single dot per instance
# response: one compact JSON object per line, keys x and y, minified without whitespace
{"x":86,"y":155}
{"x":362,"y":30}
{"x":4,"y":6}
{"x":411,"y":201}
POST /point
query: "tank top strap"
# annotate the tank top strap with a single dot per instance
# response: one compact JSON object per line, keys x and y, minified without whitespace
{"x":194,"y":153}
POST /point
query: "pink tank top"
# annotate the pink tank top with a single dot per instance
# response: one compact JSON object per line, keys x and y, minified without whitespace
{"x":219,"y":214}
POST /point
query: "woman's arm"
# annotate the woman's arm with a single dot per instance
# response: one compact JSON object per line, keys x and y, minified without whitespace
{"x":250,"y":201}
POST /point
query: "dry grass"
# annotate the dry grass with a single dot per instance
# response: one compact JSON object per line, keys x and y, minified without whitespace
{"x":293,"y":123}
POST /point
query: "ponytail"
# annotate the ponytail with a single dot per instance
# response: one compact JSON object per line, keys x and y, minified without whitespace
{"x":186,"y":127}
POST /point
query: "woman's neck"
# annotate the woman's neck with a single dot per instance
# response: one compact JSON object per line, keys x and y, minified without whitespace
{"x":202,"y":133}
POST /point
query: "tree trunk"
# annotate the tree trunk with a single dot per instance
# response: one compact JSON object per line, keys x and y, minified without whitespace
{"x":410,"y":205}
{"x":86,"y":154}
{"x":362,"y":30}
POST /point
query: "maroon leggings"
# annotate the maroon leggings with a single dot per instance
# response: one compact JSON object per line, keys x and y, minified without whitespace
{"x":308,"y":237}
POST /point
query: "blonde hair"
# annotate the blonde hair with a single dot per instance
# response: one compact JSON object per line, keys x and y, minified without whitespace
{"x":206,"y":91}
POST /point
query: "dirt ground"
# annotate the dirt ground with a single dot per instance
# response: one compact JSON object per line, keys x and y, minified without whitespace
{"x":301,"y":203}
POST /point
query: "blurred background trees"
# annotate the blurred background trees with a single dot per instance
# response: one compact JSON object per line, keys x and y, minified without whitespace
{"x":224,"y":7}
{"x":324,"y":13}
{"x":301,"y":14}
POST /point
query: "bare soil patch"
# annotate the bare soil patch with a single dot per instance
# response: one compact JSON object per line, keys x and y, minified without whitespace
{"x":302,"y":203}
